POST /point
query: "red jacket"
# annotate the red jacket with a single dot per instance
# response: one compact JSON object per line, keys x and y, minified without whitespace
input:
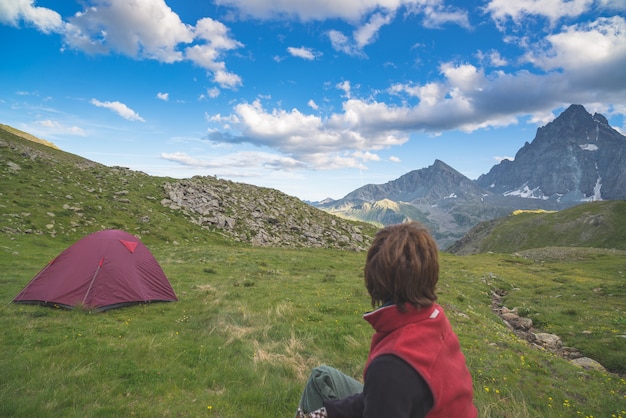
{"x":425,"y":340}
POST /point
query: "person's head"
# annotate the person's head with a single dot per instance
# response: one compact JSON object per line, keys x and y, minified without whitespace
{"x":402,"y":266}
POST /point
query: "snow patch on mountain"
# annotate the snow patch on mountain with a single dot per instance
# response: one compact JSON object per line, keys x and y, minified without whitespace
{"x":597,"y":195}
{"x":589,"y":147}
{"x":527,"y":193}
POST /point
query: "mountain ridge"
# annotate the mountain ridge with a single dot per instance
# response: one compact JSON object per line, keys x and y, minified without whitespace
{"x":576,"y":158}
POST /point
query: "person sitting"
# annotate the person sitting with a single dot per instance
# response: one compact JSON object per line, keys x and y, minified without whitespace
{"x":415,"y":367}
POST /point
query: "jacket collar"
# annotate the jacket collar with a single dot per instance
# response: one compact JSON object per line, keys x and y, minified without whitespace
{"x":388,"y":318}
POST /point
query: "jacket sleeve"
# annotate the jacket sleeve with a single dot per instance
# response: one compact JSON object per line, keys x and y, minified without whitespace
{"x":395,"y":389}
{"x":392,"y":389}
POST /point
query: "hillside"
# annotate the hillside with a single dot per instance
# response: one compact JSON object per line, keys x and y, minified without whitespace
{"x":46,"y":191}
{"x":595,"y":224}
{"x":27,"y":136}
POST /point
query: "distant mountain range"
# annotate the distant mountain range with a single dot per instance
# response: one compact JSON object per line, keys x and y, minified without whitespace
{"x":576,"y":158}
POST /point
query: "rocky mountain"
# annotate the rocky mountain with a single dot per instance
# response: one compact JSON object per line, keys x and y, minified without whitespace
{"x":432,"y":184}
{"x":440,"y":197}
{"x":575,"y":158}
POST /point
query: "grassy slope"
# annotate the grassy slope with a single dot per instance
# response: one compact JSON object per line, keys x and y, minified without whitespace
{"x":251,"y":322}
{"x":596,"y":224}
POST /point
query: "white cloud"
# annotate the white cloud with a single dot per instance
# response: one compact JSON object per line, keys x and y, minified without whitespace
{"x":163,"y":96}
{"x":213,"y":92}
{"x":465,"y":98}
{"x":207,"y":55}
{"x":311,"y":103}
{"x":368,"y":16}
{"x":500,"y":159}
{"x":436,"y":14}
{"x":302,"y":52}
{"x":492,"y":58}
{"x":518,"y":10}
{"x":367,"y":33}
{"x":341,"y":141}
{"x":353,"y":11}
{"x":233,"y":164}
{"x":304,"y":10}
{"x":54,"y":127}
{"x":141,"y":28}
{"x":394,"y":159}
{"x":342,"y":43}
{"x":44,"y":19}
{"x":345,"y":87}
{"x":602,"y":43}
{"x":119,"y":108}
{"x":613,"y":4}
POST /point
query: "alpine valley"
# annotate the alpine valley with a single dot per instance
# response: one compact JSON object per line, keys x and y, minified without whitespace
{"x":576,"y":158}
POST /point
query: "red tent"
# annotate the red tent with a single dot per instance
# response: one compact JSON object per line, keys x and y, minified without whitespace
{"x":105,"y":270}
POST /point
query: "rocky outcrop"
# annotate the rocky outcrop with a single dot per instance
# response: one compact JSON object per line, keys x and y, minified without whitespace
{"x":262,"y":216}
{"x":524,"y":329}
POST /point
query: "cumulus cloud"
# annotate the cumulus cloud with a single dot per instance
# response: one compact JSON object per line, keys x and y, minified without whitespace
{"x":215,"y":39}
{"x":163,"y":96}
{"x":322,"y":143}
{"x":602,"y":42}
{"x":44,"y":19}
{"x":465,"y":97}
{"x":142,"y":29}
{"x":518,"y":10}
{"x":120,"y":108}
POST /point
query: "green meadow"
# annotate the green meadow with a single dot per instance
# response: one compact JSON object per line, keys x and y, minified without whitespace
{"x":251,"y":322}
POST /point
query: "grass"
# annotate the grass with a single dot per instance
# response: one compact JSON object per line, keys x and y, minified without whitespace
{"x":252,"y":322}
{"x":600,"y":224}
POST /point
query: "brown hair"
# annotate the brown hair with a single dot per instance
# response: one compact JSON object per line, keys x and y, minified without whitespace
{"x":402,"y":266}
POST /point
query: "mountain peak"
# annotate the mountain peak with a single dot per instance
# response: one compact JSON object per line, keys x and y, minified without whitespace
{"x":576,"y":157}
{"x":575,"y":110}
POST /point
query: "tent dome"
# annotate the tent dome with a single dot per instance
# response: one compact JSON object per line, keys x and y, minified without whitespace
{"x":104,"y":270}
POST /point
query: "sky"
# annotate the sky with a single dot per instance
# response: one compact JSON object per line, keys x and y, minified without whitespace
{"x":313,"y":98}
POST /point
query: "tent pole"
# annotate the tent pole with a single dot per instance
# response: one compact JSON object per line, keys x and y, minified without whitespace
{"x":93,"y":279}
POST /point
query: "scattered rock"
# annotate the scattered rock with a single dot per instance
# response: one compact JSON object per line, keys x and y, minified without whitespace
{"x":551,"y":342}
{"x":588,"y":363}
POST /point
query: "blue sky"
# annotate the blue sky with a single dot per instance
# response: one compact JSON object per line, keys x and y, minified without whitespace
{"x":314,"y":98}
